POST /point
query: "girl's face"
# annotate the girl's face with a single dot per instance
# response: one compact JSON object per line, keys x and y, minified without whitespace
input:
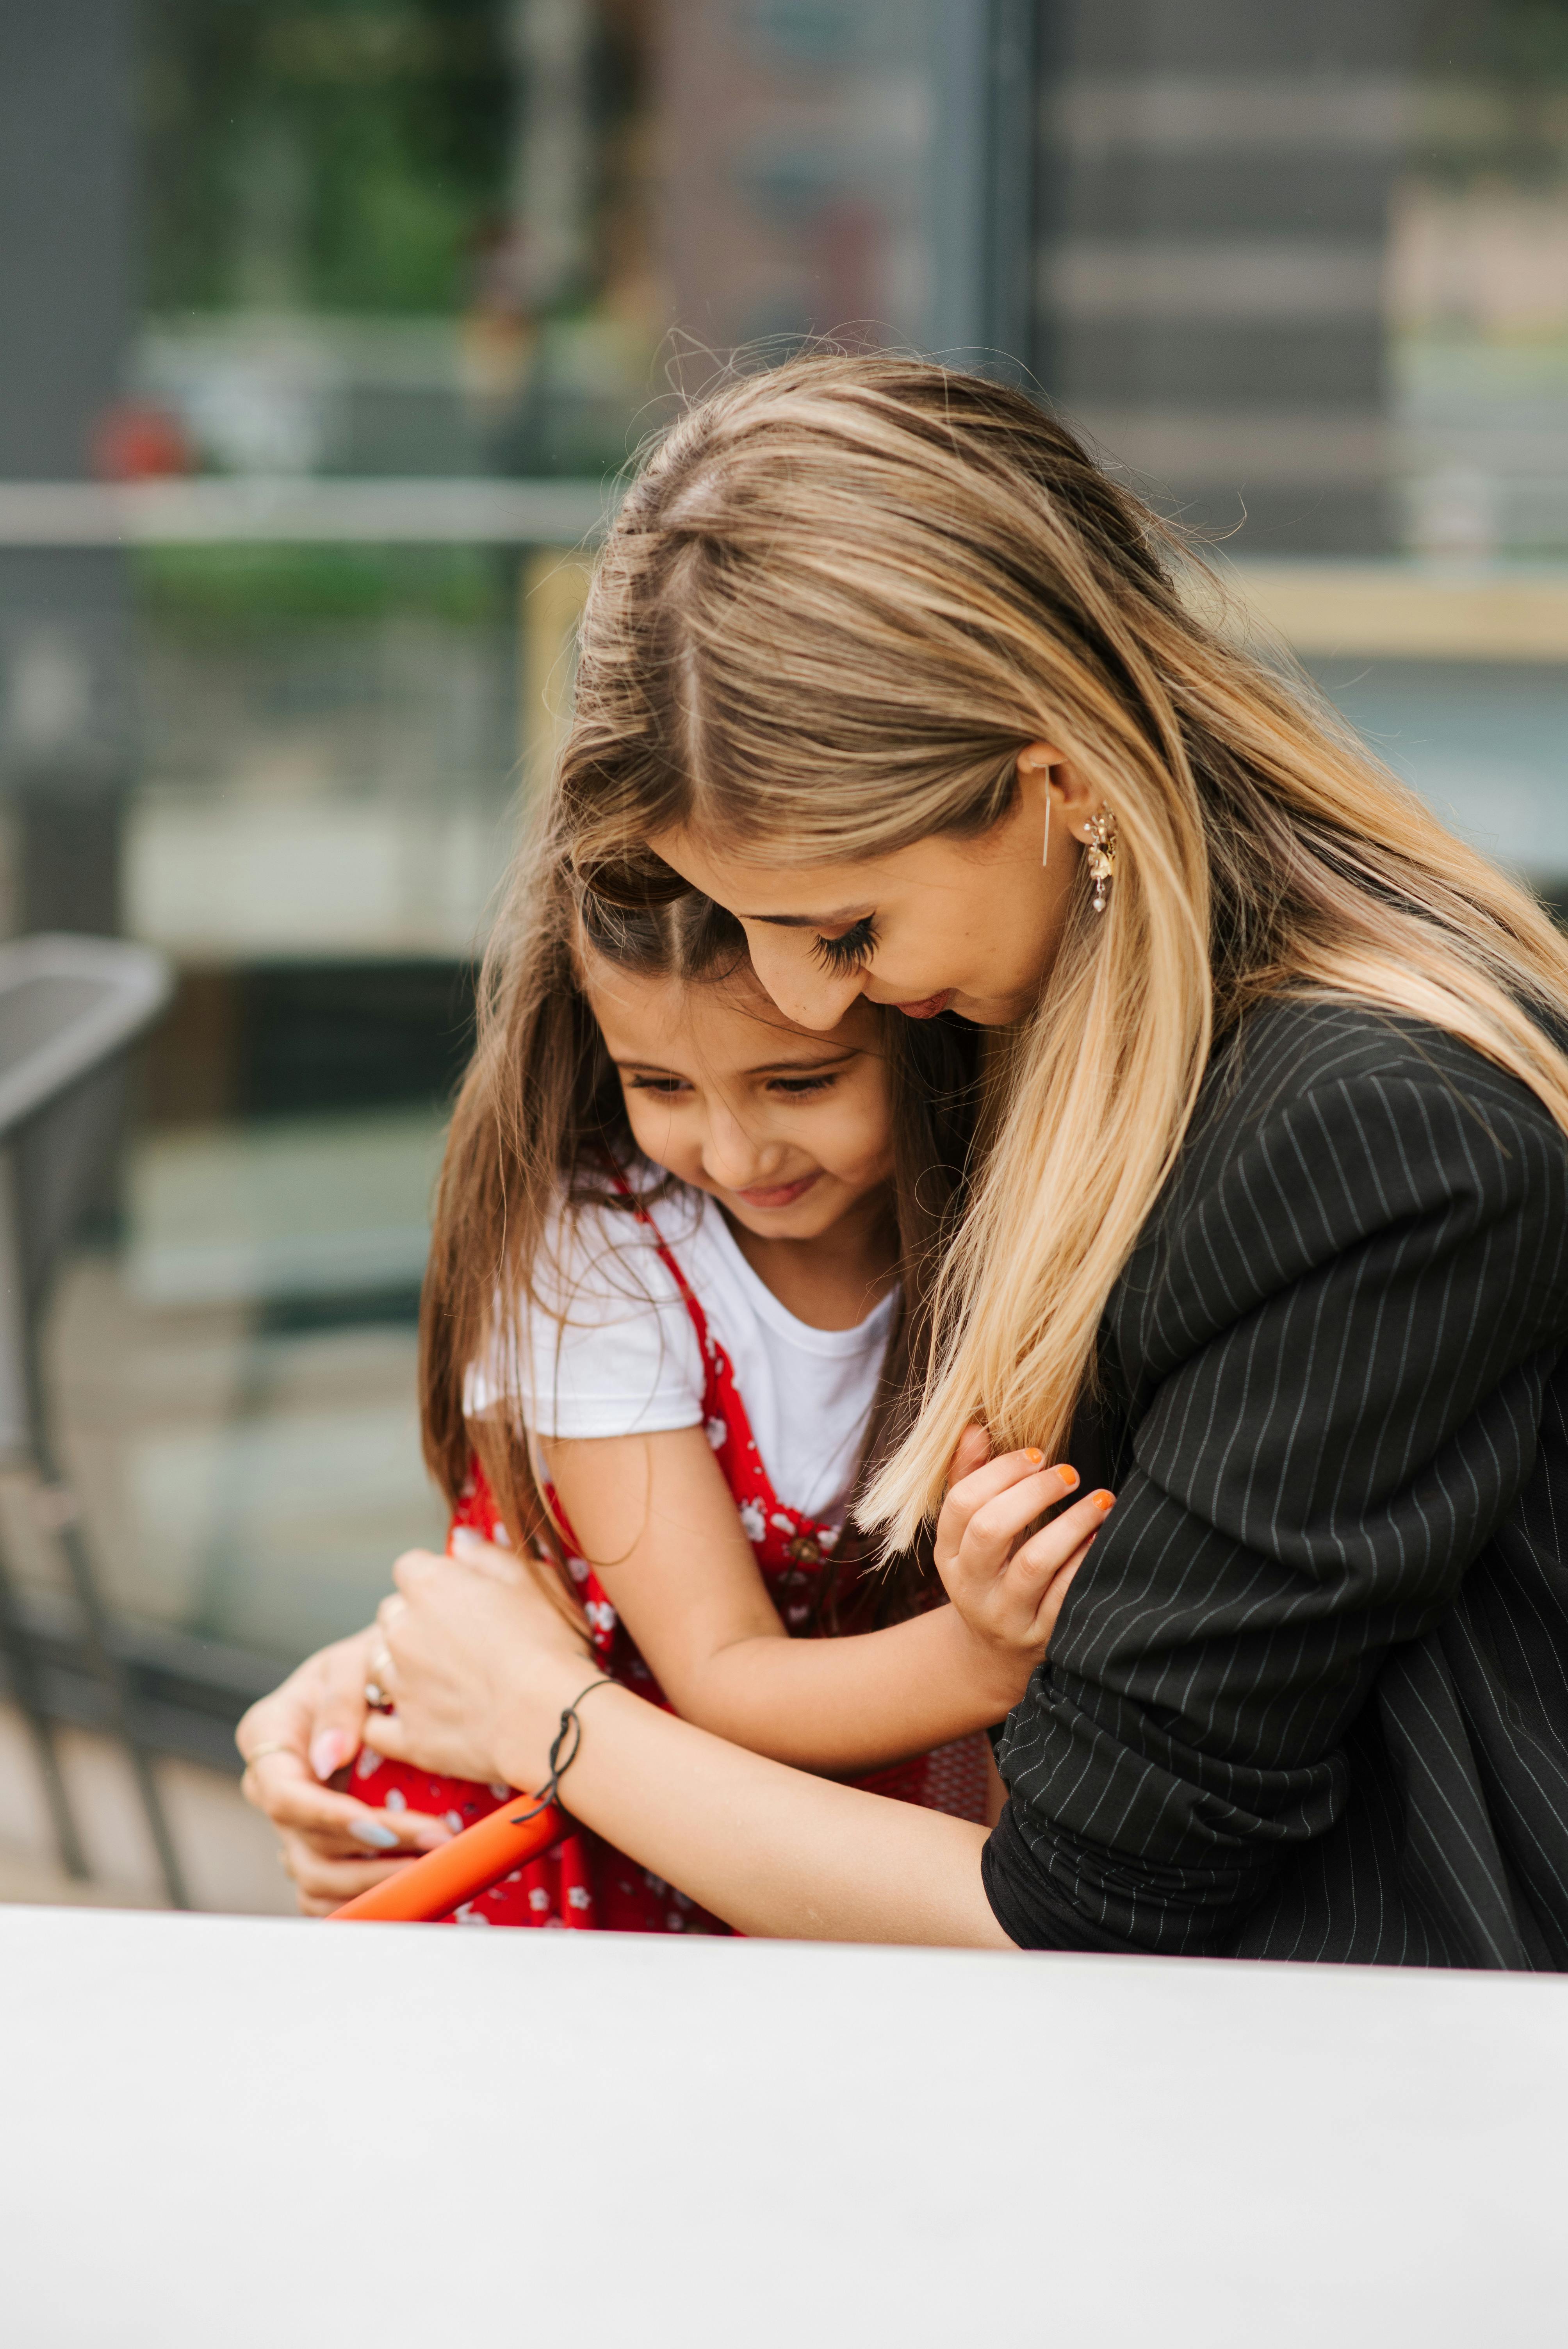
{"x":967,"y":925}
{"x":787,"y":1129}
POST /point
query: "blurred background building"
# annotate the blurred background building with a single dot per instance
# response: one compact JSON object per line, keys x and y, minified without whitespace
{"x":325,"y":327}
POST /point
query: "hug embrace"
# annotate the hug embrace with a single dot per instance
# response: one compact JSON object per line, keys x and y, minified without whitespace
{"x":998,"y":1316}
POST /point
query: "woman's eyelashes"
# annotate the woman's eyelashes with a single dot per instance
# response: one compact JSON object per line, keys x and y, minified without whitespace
{"x":851,"y":951}
{"x":802,"y":1088}
{"x":666,"y":1087}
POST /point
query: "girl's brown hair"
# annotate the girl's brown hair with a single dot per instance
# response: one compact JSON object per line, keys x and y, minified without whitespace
{"x":541,"y":1120}
{"x":837,"y":602}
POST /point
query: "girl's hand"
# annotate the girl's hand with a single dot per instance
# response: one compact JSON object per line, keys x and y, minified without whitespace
{"x":293,"y":1740}
{"x":479,"y":1663}
{"x":1009,"y":1589}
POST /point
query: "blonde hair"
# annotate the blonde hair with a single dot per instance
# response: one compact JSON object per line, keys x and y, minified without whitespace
{"x":838,"y":600}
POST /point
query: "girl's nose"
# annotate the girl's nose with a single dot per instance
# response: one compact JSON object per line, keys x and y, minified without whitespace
{"x":732,"y":1157}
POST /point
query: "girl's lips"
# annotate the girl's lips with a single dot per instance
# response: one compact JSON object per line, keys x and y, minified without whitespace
{"x":929,"y":1006}
{"x":778,"y":1195}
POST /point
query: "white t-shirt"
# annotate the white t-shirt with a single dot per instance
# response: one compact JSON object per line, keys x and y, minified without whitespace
{"x":625,"y":1359}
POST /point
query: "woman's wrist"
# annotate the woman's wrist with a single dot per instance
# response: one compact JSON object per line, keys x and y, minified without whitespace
{"x":531,"y":1718}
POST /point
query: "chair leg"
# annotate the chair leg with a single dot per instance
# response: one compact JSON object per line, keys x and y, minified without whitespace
{"x":112,"y":1674}
{"x":18,"y":1650}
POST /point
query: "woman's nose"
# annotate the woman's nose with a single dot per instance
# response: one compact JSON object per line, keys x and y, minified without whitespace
{"x":802,"y":988}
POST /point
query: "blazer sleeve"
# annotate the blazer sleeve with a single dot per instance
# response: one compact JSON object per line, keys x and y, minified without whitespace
{"x":1335,"y":1342}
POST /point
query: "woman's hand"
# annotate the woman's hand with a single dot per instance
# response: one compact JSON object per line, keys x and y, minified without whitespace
{"x":479,"y":1663}
{"x":1008,"y":1588}
{"x":294,"y":1740}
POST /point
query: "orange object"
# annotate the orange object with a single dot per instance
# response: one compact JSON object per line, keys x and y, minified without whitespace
{"x":433,"y":1887}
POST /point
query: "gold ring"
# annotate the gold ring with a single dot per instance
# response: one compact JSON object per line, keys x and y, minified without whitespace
{"x":260,"y":1752}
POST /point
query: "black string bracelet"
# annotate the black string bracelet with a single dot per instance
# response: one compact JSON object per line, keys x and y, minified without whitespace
{"x":559,"y":1764}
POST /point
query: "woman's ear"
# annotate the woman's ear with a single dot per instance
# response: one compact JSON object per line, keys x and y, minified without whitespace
{"x":1045,"y":768}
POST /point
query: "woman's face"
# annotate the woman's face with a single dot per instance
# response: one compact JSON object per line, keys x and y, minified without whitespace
{"x":970,"y":926}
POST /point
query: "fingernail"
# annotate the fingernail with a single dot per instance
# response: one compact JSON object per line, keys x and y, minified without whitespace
{"x":1104,"y":1500}
{"x":465,"y":1539}
{"x":1035,"y":1453}
{"x":329,"y":1752}
{"x":372,"y":1833}
{"x":1069,"y":1477}
{"x":430,"y":1835}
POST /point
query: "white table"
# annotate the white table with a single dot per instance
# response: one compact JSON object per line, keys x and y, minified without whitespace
{"x":236,"y":2132}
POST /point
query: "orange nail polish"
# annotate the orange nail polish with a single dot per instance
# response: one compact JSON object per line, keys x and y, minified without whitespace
{"x":1034,"y":1454}
{"x":1104,"y":1500}
{"x":1069,"y":1477}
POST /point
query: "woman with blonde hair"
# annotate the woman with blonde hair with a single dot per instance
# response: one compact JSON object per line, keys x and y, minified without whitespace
{"x":1268,"y":1231}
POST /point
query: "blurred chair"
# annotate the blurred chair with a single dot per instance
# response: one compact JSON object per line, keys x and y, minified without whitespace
{"x":70,"y":1010}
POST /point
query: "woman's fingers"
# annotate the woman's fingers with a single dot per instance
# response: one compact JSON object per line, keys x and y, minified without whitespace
{"x":323,"y":1884}
{"x":995,"y":1525}
{"x":1050,"y":1606}
{"x":471,"y":1549}
{"x":385,"y":1735}
{"x":1058,"y":1545}
{"x":394,"y":1604}
{"x":973,"y":1449}
{"x":412,"y":1573}
{"x":984,"y":1485}
{"x":337,"y":1730}
{"x":316,"y":1715}
{"x":281,"y":1786}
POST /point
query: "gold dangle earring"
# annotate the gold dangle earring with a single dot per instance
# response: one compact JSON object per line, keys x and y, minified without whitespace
{"x":1099,"y":833}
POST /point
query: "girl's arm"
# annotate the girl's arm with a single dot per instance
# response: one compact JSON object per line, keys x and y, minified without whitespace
{"x":656,"y":1517}
{"x":482,"y":1666}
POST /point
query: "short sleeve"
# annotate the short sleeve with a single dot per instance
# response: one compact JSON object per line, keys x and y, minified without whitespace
{"x":606,"y":1347}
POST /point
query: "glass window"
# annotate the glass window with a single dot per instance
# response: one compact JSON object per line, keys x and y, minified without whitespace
{"x":330,"y":323}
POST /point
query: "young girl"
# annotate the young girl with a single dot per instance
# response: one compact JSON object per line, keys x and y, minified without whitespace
{"x":704,"y":1328}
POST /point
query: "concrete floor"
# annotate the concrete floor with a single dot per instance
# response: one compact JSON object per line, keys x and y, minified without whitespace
{"x":227,"y":1848}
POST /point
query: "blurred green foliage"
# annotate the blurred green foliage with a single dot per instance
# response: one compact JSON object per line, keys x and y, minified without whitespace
{"x":338,"y":155}
{"x":229,"y":587}
{"x":1518,"y":41}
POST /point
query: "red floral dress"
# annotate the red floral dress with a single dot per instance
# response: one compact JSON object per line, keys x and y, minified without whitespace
{"x":585,"y":1883}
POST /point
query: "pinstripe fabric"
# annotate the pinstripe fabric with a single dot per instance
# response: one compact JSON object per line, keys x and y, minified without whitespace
{"x":1309,"y":1698}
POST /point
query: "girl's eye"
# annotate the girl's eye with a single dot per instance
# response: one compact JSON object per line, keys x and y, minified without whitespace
{"x":667,"y":1087}
{"x":852,"y":951}
{"x":800,"y":1088}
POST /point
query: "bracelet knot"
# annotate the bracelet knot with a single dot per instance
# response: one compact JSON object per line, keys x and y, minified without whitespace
{"x":561,"y":1761}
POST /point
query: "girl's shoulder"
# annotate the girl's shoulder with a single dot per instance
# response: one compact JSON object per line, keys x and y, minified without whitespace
{"x":601,"y":1242}
{"x":603,"y":1344}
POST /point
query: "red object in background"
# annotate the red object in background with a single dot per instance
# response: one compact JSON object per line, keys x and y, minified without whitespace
{"x":136,"y":441}
{"x":458,"y":1871}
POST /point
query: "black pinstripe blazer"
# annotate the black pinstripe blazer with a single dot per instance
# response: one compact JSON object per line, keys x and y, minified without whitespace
{"x":1309,"y":1696}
